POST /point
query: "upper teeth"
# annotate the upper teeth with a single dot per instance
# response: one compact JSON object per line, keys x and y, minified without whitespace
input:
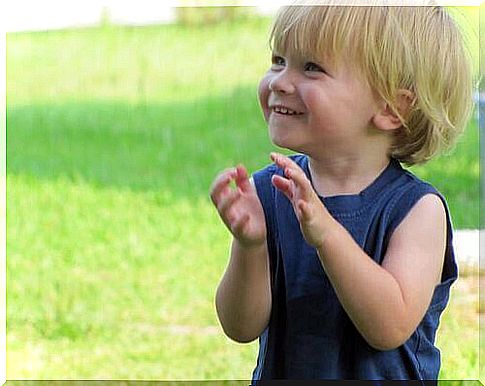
{"x":284,"y":110}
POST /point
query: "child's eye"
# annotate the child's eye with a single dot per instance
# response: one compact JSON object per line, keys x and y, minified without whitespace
{"x":277,"y":61}
{"x":313,"y":67}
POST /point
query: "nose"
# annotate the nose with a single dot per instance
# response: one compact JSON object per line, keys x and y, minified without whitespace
{"x":282,"y":82}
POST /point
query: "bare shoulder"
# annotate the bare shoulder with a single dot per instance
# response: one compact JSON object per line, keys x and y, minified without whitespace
{"x":426,"y":217}
{"x":429,"y":205}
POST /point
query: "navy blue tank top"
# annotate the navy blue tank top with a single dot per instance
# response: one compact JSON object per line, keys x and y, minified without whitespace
{"x":309,"y":335}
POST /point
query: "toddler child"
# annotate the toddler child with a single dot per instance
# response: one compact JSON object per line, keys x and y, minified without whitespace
{"x":341,"y":260}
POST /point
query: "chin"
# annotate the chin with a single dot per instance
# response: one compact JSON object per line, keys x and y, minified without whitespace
{"x":278,"y":139}
{"x":285,"y":143}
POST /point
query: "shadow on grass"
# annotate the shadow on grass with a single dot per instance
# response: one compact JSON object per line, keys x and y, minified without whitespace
{"x":177,"y":147}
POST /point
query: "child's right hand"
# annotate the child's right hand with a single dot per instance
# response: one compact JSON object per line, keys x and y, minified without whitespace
{"x":239,"y":208}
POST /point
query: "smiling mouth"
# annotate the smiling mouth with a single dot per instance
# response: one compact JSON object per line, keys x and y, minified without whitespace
{"x":285,"y":111}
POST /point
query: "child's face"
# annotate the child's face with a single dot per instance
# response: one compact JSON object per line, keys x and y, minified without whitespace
{"x":310,"y":105}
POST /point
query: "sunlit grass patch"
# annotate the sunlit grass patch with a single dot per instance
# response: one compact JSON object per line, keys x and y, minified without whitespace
{"x":101,"y":277}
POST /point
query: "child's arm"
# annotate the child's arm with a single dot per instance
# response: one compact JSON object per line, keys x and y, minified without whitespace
{"x":243,"y":298}
{"x":385,"y":303}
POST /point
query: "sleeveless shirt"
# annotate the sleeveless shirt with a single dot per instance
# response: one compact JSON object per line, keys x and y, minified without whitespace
{"x":309,"y":335}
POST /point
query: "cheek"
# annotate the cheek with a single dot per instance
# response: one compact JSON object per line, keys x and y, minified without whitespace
{"x":314,"y":102}
{"x":311,"y":96}
{"x":263,"y":94}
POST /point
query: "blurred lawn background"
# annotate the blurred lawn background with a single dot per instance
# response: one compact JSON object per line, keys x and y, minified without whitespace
{"x":114,"y":135}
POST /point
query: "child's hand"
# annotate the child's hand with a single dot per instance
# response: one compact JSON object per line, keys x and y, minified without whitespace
{"x":311,"y":213}
{"x":239,"y":208}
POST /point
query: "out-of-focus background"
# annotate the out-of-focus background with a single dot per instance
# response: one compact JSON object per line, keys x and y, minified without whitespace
{"x":118,"y":118}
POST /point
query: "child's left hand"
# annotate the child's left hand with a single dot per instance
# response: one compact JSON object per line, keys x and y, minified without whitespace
{"x":311,"y":213}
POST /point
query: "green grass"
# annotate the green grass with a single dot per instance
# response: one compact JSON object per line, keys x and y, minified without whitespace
{"x":122,"y":279}
{"x":114,"y":251}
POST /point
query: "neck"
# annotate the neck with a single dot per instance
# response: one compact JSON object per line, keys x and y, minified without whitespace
{"x":345,"y":175}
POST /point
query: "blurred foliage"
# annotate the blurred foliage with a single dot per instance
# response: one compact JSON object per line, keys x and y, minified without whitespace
{"x":207,"y":15}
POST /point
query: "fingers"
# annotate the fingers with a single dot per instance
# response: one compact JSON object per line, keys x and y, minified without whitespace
{"x":220,"y":187}
{"x":284,"y":185}
{"x":294,"y":173}
{"x":242,"y":179}
{"x":227,"y":201}
{"x":224,"y":197}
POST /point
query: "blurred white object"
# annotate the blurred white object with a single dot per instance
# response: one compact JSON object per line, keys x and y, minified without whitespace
{"x":466,"y":243}
{"x":28,"y":15}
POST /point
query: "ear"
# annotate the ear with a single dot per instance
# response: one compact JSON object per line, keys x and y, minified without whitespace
{"x":387,"y":119}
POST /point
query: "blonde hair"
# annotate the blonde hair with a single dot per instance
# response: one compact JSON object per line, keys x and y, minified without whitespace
{"x":416,"y":48}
